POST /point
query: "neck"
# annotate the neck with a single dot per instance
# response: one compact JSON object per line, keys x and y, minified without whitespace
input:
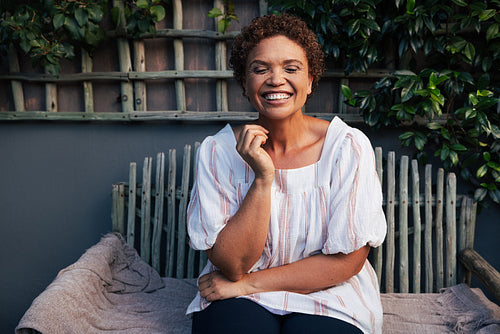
{"x":284,"y":134}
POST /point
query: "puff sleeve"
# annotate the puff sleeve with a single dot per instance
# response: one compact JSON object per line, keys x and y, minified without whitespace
{"x":213,"y":199}
{"x":356,"y":217}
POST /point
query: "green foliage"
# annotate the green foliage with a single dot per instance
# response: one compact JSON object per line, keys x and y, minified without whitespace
{"x":446,"y":87}
{"x":226,"y":16}
{"x":140,"y":16}
{"x":349,"y":31}
{"x":49,"y":30}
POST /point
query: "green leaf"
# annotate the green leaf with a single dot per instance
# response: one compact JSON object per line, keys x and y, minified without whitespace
{"x":215,"y":12}
{"x":492,"y":31}
{"x":58,"y":21}
{"x":116,"y":15}
{"x":487,"y":14}
{"x":495,"y":195}
{"x":469,"y":51}
{"x":480,"y":194}
{"x":406,"y":135}
{"x":482,"y":171}
{"x":346,"y":91}
{"x":461,"y":3}
{"x":434,"y":126}
{"x":142,"y":4}
{"x":459,"y":147}
{"x":81,"y":16}
{"x":158,"y":12}
{"x":454,"y":158}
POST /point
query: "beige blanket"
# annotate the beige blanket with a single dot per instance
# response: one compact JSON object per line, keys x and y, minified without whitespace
{"x":111,"y":290}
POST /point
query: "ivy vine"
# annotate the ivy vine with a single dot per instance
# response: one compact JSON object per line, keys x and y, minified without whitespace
{"x":49,"y":30}
{"x":446,"y":89}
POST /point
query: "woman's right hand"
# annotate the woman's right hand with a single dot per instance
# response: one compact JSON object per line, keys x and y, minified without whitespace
{"x":250,"y":140}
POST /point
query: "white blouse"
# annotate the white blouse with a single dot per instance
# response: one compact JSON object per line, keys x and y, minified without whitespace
{"x":332,"y":206}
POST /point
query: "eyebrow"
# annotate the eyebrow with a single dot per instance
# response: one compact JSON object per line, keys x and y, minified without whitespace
{"x":286,"y":62}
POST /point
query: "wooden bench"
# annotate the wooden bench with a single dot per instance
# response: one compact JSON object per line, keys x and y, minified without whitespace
{"x":430,"y":231}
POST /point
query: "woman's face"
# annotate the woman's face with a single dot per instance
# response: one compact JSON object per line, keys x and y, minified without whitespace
{"x":277,"y":78}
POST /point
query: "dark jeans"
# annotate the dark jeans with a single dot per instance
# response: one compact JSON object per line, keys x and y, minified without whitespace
{"x":241,"y":316}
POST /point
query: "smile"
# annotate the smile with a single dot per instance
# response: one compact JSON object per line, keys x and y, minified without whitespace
{"x":277,"y":96}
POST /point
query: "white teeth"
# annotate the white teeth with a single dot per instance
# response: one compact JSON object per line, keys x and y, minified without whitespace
{"x":277,"y":96}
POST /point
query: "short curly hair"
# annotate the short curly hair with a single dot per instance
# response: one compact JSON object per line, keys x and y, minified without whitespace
{"x":273,"y":25}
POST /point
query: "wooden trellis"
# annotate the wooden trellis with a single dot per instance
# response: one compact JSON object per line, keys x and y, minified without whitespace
{"x":132,"y":77}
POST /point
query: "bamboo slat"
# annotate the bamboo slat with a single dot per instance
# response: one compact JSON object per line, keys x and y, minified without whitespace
{"x":50,"y":96}
{"x":429,"y":272}
{"x":417,"y":229}
{"x":181,"y":245}
{"x":180,"y":93}
{"x":139,"y":85}
{"x":16,"y":86}
{"x":132,"y":195}
{"x":403,"y":226}
{"x":88,"y":92}
{"x":158,"y":213}
{"x":127,"y":93}
{"x":377,"y":252}
{"x":439,"y":230}
{"x":451,"y":231}
{"x":390,"y":216}
{"x":146,"y":210}
{"x":170,"y":228}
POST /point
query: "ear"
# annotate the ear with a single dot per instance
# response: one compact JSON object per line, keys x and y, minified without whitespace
{"x":309,"y":84}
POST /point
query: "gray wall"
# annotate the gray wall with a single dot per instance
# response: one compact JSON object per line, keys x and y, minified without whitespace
{"x":55,"y":195}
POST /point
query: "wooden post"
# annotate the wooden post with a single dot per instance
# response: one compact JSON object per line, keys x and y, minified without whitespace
{"x":417,"y":227}
{"x":16,"y":86}
{"x":377,"y":252}
{"x":50,"y":96}
{"x":179,"y":57}
{"x":390,"y":216}
{"x":451,"y":230}
{"x":132,"y":193}
{"x":170,"y":251}
{"x":158,"y":214}
{"x":139,"y":85}
{"x":403,"y":226}
{"x":263,"y":7}
{"x":429,"y":273}
{"x":127,"y":92}
{"x":88,"y":92}
{"x":181,"y":245}
{"x":146,"y":210}
{"x":439,"y":230}
{"x":117,"y":209}
{"x":220,"y":65}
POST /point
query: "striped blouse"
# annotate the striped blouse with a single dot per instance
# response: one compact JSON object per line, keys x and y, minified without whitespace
{"x":332,"y":206}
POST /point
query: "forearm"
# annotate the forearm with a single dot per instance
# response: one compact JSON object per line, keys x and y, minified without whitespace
{"x":240,"y":244}
{"x":309,"y":275}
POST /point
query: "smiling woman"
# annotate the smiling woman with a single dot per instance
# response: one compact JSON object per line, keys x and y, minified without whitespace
{"x":280,"y":204}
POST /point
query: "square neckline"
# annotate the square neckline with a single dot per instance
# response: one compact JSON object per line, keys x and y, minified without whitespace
{"x":297,"y":169}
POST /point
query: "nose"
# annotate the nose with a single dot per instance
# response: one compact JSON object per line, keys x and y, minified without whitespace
{"x":276,"y":78}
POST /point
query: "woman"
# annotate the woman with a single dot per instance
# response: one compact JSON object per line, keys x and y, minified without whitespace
{"x":286,"y":207}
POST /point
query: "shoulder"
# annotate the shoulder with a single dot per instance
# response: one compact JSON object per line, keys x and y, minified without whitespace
{"x":220,"y":145}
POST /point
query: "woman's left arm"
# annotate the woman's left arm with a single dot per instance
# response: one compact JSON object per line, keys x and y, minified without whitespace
{"x":308,"y":275}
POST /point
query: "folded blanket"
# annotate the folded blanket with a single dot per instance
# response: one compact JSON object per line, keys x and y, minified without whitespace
{"x":111,"y":290}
